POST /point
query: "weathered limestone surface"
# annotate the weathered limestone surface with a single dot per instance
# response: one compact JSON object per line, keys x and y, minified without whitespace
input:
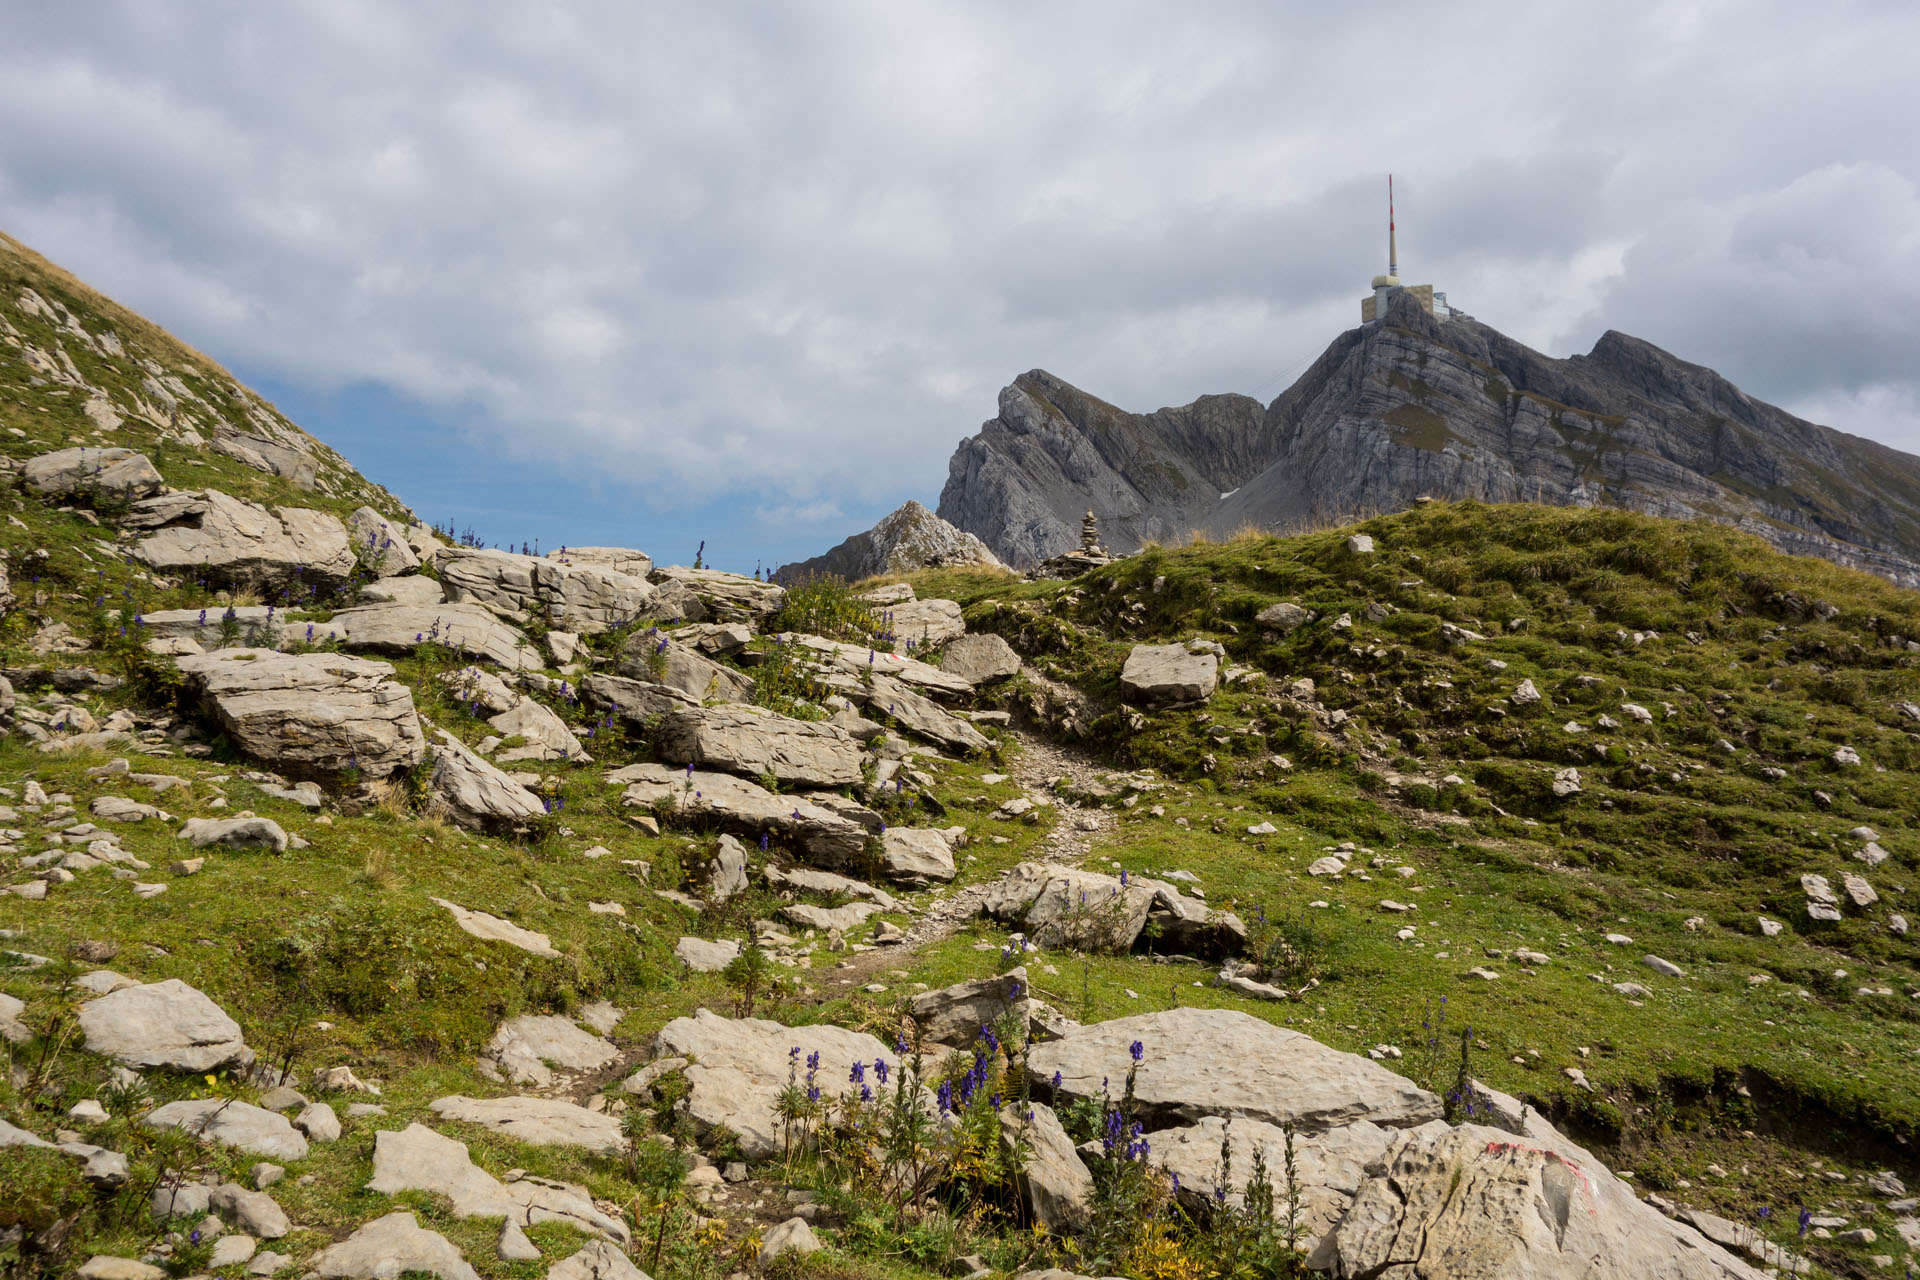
{"x":229,"y":540}
{"x":575,"y":597}
{"x":978,"y":659}
{"x":112,"y":470}
{"x":1220,"y":1062}
{"x":1165,"y":675}
{"x":163,"y":1024}
{"x":381,"y":544}
{"x":744,"y":808}
{"x":730,"y":596}
{"x":310,"y":713}
{"x":752,"y":741}
{"x":737,"y":1067}
{"x":474,"y":793}
{"x":465,"y":628}
{"x":1532,"y":1209}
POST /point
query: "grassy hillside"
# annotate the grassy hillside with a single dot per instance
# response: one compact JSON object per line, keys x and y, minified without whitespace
{"x":1711,"y":695}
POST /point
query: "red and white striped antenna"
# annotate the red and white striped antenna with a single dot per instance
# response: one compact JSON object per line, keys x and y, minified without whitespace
{"x":1393,"y":248}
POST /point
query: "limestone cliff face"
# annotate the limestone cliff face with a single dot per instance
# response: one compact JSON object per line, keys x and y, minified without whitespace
{"x":1454,"y":409}
{"x":1024,"y":483}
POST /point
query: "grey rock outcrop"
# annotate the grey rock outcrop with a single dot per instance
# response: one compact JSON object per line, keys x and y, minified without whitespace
{"x":163,"y":1024}
{"x":903,"y":541}
{"x":1053,"y":1179}
{"x":1330,"y":1165}
{"x":233,"y":1124}
{"x":235,"y":833}
{"x":1167,"y":675}
{"x":1415,"y":407}
{"x":658,"y":658}
{"x":1537,"y":1209}
{"x":752,"y":741}
{"x":581,"y":598}
{"x":546,"y":1122}
{"x":467,"y":629}
{"x":545,"y":735}
{"x":413,"y":589}
{"x":917,"y":856}
{"x":312,"y":713}
{"x":744,"y":808}
{"x":922,"y":717}
{"x":232,"y":541}
{"x":392,"y":1246}
{"x":731,"y":597}
{"x":954,"y":1015}
{"x":380,"y":544}
{"x":635,"y":564}
{"x":598,"y":1261}
{"x":738,"y":1066}
{"x":922,"y":624}
{"x":474,"y":793}
{"x":121,"y":472}
{"x":529,"y":1047}
{"x":978,"y":659}
{"x":1219,"y":1062}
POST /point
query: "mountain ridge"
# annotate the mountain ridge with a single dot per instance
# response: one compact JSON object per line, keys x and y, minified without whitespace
{"x":1415,"y":407}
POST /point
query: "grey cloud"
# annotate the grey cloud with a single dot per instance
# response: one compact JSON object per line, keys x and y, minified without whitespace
{"x":792,"y":251}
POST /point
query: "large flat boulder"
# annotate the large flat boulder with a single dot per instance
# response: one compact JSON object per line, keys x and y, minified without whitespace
{"x":473,"y":792}
{"x":310,"y":713}
{"x":395,"y":1245}
{"x":544,"y":1122}
{"x":980,"y":658}
{"x":492,"y":928}
{"x":232,"y":1123}
{"x":809,"y":880}
{"x":528,"y":1049}
{"x":921,"y":716}
{"x":167,"y":1024}
{"x":857,"y":661}
{"x":635,"y":564}
{"x":467,"y":629}
{"x":638,"y":703}
{"x":117,"y":471}
{"x":575,"y":597}
{"x":1220,"y":1062}
{"x":414,"y":589}
{"x":1061,"y":906}
{"x":743,"y":808}
{"x":915,"y":625}
{"x":215,"y":627}
{"x":738,"y":1066}
{"x":917,"y":856}
{"x":954,"y":1015}
{"x":225,"y":539}
{"x":731,"y":597}
{"x":1166,"y":675}
{"x":1476,"y":1201}
{"x":753,"y":741}
{"x":657,"y":658}
{"x":1066,"y":906}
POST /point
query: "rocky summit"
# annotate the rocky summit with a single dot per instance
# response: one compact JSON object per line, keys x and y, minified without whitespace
{"x":1413,"y":407}
{"x":1473,"y":892}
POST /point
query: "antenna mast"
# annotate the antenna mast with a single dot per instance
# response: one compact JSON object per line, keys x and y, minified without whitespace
{"x":1393,"y":248}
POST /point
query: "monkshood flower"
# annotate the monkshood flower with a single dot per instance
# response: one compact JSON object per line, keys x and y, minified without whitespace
{"x":1137,"y":1050}
{"x":858,"y":1073}
{"x":880,"y":1070}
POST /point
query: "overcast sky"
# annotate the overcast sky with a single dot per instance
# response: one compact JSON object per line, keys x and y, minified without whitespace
{"x":747,"y":272}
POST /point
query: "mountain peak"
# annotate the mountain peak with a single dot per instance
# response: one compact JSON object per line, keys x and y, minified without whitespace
{"x":1415,"y":406}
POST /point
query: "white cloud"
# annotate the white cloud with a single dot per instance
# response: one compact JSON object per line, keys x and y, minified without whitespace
{"x":760,"y":249}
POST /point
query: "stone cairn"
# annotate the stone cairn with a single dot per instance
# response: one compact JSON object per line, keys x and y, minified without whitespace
{"x":1088,"y":555}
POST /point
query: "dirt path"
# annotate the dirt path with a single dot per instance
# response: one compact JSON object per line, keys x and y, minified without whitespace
{"x":1035,"y":767}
